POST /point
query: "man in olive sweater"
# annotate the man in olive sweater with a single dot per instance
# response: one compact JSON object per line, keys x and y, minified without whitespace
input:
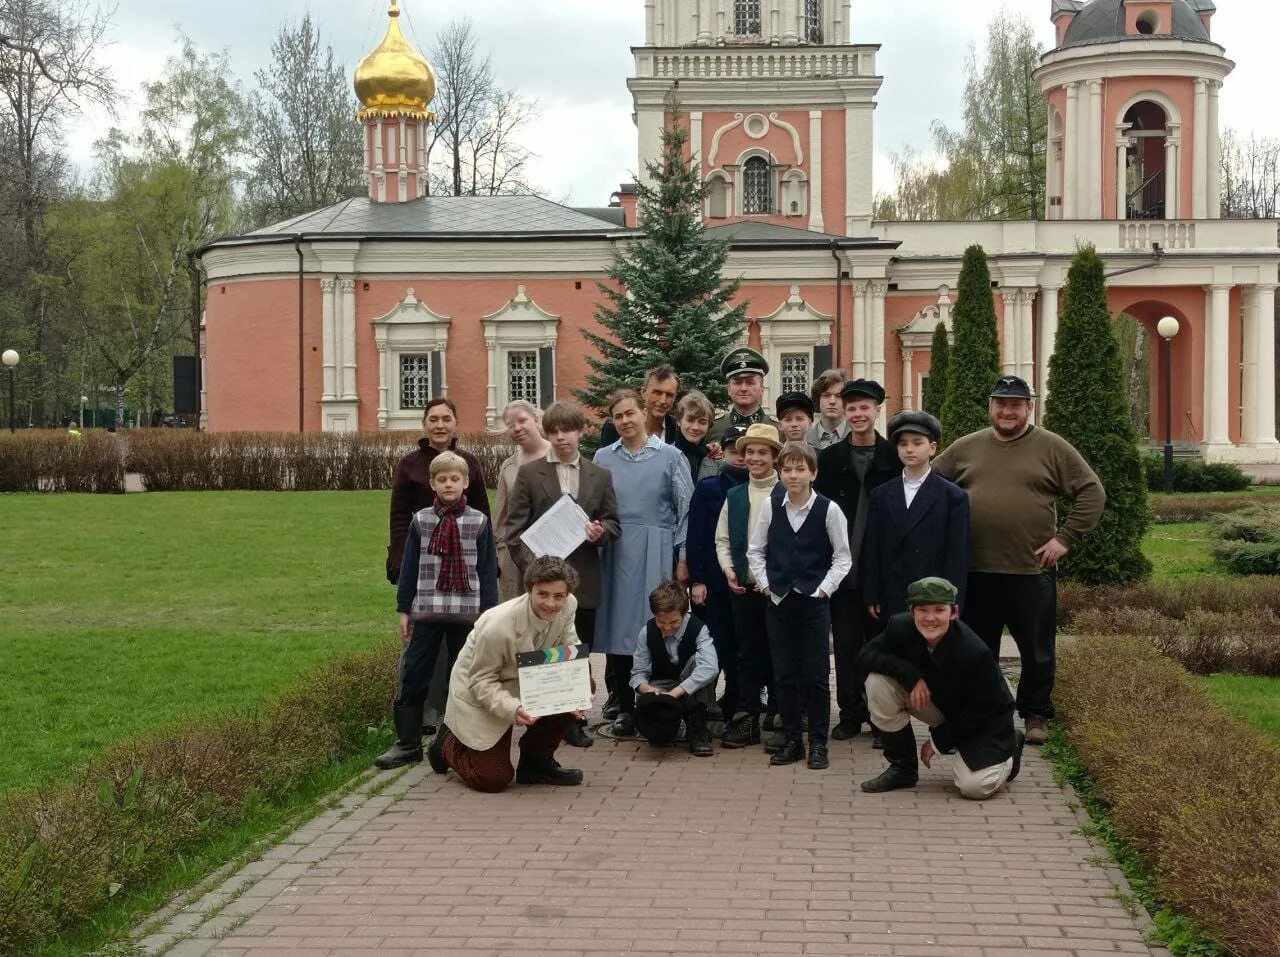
{"x":1015,"y":474}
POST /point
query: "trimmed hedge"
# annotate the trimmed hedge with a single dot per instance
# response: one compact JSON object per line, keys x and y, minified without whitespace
{"x":46,"y":461}
{"x":1247,"y":542}
{"x":1193,"y":789}
{"x":66,"y":850}
{"x":1193,"y":507}
{"x":1193,"y":475}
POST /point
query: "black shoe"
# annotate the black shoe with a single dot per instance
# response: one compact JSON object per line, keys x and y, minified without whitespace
{"x":435,"y":752}
{"x":877,"y":742}
{"x":844,"y":730}
{"x":742,"y":732}
{"x":624,"y":726}
{"x":789,"y":753}
{"x":714,"y":713}
{"x":408,"y":746}
{"x":1017,"y":755}
{"x":818,"y":760}
{"x":775,"y":742}
{"x":578,"y":737}
{"x":611,"y":708}
{"x":533,"y":770}
{"x":903,"y":771}
{"x":699,"y":736}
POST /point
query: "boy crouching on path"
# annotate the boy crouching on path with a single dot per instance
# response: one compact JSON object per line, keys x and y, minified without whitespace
{"x":475,"y":737}
{"x":799,"y":554}
{"x":449,"y":575}
{"x":674,"y":672}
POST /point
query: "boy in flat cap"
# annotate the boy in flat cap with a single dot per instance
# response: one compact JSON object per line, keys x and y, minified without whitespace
{"x":1015,"y":474}
{"x":795,"y":416}
{"x":929,"y":665}
{"x":916,"y":527}
{"x":848,"y":472}
{"x":744,"y":370}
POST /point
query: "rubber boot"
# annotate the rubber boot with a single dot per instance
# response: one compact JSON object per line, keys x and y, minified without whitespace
{"x":699,"y":735}
{"x":903,"y":770}
{"x":408,"y":746}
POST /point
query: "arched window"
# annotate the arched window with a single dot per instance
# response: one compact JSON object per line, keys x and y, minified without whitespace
{"x":746,"y":18}
{"x":757,"y":187}
{"x":813,"y":21}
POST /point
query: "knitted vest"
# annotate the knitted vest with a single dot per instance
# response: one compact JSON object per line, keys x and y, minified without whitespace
{"x":798,"y":560}
{"x":661,"y":667}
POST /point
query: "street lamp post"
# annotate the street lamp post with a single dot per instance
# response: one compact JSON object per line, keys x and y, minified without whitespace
{"x":1168,"y":328}
{"x":84,"y":400}
{"x":10,"y":359}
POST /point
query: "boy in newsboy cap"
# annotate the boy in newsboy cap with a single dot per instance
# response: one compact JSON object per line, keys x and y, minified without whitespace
{"x":929,"y":665}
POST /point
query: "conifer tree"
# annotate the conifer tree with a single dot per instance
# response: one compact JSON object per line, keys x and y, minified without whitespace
{"x":974,"y":362}
{"x":1086,"y":406}
{"x":668,"y":301}
{"x":939,"y":370}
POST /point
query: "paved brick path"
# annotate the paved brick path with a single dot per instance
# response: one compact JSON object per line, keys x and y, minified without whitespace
{"x":662,"y":853}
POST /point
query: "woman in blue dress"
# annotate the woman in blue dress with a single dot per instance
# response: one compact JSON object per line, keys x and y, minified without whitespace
{"x":654,"y":487}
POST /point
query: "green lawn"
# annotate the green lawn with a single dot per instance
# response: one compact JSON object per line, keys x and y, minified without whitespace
{"x":122,"y":614}
{"x":1257,"y":699}
{"x":1179,"y":550}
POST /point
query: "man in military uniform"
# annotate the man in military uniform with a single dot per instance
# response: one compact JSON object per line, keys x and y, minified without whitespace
{"x":744,"y":370}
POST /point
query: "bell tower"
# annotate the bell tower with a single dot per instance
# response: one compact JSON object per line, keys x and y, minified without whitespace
{"x":1132,"y":88}
{"x":779,"y":104}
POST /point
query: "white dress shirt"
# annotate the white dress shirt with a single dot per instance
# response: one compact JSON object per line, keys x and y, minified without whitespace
{"x":566,"y":472}
{"x":837,"y":533}
{"x":911,"y":486}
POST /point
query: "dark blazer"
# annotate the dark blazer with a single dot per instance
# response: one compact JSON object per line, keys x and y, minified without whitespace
{"x":411,"y":492}
{"x":838,"y":480}
{"x":704,"y":516}
{"x":537,"y":488}
{"x":964,"y":681}
{"x":903,"y":545}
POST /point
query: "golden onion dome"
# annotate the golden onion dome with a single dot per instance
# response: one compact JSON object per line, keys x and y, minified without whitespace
{"x":394,"y":80}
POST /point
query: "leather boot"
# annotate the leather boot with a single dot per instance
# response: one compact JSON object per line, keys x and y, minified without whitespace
{"x":578,"y":737}
{"x":743,"y":731}
{"x":408,"y":746}
{"x":535,"y":770}
{"x":903,"y":770}
{"x":1017,"y":755}
{"x":699,"y":736}
{"x":435,"y":750}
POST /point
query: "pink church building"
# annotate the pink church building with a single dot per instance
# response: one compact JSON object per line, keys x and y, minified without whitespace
{"x":351,"y":317}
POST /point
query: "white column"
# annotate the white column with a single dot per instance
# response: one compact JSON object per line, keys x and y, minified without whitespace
{"x":1026,"y":336}
{"x":330,"y":342}
{"x":861,"y":315}
{"x":695,"y":141}
{"x":649,"y":128}
{"x":403,"y":150}
{"x":1248,"y":361}
{"x":1052,"y":167}
{"x":348,"y":287}
{"x":203,"y":420}
{"x":1199,"y":168}
{"x":908,"y":379}
{"x":384,"y":381}
{"x":1071,"y":153}
{"x":1172,"y":174}
{"x":859,"y":148}
{"x":368,"y":160}
{"x":1261,"y":399}
{"x":650,"y":18}
{"x":1122,"y":186}
{"x":1094,"y":141}
{"x":1213,"y":171}
{"x":816,"y":221}
{"x":704,"y":22}
{"x":1217,"y":369}
{"x":1048,"y":336}
{"x":1009,"y":341}
{"x":790,"y":20}
{"x":878,"y":291}
{"x":379,"y":160}
{"x":491,"y":401}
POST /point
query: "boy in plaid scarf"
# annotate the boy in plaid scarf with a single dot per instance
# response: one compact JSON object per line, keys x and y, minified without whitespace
{"x":449,"y":575}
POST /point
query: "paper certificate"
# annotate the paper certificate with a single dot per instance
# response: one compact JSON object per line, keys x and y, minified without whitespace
{"x":560,"y":530}
{"x":555,"y":681}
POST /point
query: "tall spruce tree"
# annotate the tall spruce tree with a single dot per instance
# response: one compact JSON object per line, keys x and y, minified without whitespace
{"x":668,"y":301}
{"x":1086,"y":406}
{"x":939,"y":371}
{"x":974,"y":362}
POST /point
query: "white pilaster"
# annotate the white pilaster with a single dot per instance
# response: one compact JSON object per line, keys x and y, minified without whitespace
{"x":695,"y":141}
{"x":348,"y":319}
{"x":1093,"y":142}
{"x":329,"y":339}
{"x":379,"y":160}
{"x":1122,"y":168}
{"x":1172,"y":173}
{"x":203,"y":419}
{"x":1026,"y":335}
{"x":1260,"y":400}
{"x":491,"y":401}
{"x":1213,"y":170}
{"x":908,"y":379}
{"x":1009,"y":325}
{"x":859,"y":161}
{"x":649,"y":129}
{"x":1048,"y":338}
{"x":878,"y":292}
{"x":1199,"y":177}
{"x":1053,"y":176}
{"x":816,"y":221}
{"x":1217,"y":369}
{"x":384,"y":381}
{"x":704,"y":22}
{"x":402,"y":147}
{"x":1071,"y":153}
{"x":861,"y":316}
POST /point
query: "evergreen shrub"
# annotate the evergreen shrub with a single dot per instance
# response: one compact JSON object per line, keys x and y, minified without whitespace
{"x":973,"y":364}
{"x":1193,"y":475}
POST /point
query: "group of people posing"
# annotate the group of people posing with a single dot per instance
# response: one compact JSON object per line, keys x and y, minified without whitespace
{"x":748,"y":547}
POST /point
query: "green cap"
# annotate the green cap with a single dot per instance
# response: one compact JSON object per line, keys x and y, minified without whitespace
{"x":932,"y":591}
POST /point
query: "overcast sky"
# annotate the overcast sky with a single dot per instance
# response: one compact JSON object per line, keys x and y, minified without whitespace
{"x":573,"y":57}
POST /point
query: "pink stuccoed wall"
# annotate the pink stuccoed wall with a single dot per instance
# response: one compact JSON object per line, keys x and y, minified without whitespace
{"x":1116,"y":92}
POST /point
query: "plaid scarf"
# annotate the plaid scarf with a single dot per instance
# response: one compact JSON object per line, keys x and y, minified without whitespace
{"x":446,"y":542}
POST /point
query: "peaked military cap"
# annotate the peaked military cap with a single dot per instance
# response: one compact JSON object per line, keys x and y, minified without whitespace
{"x":920,"y":422}
{"x":794,"y":400}
{"x":731,"y":435}
{"x":863,"y":389}
{"x":1011,"y":387}
{"x":932,"y":591}
{"x":743,"y":361}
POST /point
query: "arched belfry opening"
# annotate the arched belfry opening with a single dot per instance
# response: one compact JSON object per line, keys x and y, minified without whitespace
{"x":1147,"y":129}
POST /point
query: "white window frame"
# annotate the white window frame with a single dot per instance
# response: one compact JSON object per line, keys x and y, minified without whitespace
{"x":410,"y":328}
{"x":400,"y":373}
{"x":537,"y":374}
{"x":742,"y":183}
{"x":519,"y":326}
{"x":807,"y":356}
{"x":794,"y":327}
{"x":759,"y":5}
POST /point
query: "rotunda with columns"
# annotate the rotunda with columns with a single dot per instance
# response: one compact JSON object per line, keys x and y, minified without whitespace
{"x":352,"y":316}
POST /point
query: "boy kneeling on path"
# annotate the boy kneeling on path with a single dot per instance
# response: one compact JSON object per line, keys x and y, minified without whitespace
{"x":928,"y":664}
{"x":475,"y":736}
{"x":674,"y":672}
